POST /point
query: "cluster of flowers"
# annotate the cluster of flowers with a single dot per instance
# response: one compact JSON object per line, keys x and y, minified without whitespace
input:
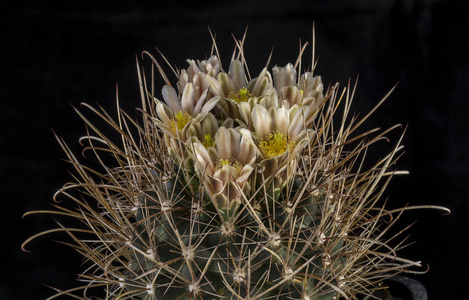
{"x":232,"y":128}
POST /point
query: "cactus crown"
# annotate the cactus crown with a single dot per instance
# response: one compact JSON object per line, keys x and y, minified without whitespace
{"x":234,"y":188}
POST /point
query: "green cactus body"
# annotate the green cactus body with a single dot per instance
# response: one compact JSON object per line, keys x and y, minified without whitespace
{"x":260,"y":249}
{"x":234,"y":189}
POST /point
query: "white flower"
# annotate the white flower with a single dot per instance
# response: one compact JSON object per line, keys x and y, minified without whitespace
{"x":175,"y":115}
{"x":226,"y":167}
{"x":234,"y":89}
{"x":284,"y":76}
{"x":198,"y":70}
{"x":205,"y":130}
{"x":307,"y":93}
{"x":280,"y":135}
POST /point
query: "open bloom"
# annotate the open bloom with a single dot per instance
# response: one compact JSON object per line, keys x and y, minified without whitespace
{"x":280,"y":135}
{"x":234,"y":89}
{"x":175,"y":116}
{"x":226,"y":167}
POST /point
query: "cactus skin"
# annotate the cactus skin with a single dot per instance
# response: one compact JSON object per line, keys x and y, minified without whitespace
{"x":240,"y":257}
{"x":304,"y":224}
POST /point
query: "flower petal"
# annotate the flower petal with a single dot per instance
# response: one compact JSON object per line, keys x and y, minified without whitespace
{"x":280,"y":119}
{"x":237,"y":74}
{"x":224,"y":174}
{"x":245,"y":112}
{"x":209,"y":105}
{"x":193,"y":69}
{"x":227,"y":141}
{"x":261,"y":121}
{"x":188,"y":99}
{"x":210,"y":125}
{"x":244,"y":174}
{"x":215,"y":87}
{"x":200,"y":103}
{"x":163,"y":113}
{"x":284,"y":76}
{"x":171,"y":98}
{"x":297,"y":122}
{"x":226,"y":84}
{"x":214,"y":185}
{"x":258,"y":85}
{"x":211,"y":66}
{"x":293,"y":94}
{"x":248,"y":150}
{"x":205,"y":164}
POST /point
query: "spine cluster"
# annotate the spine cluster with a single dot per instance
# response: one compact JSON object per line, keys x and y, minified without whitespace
{"x":234,"y":188}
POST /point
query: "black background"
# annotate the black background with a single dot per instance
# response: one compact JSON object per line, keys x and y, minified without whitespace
{"x":55,"y":55}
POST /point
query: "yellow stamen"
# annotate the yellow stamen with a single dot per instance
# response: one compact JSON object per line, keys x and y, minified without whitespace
{"x":180,"y":120}
{"x":275,"y":144}
{"x":242,"y":95}
{"x":230,"y":162}
{"x":208,"y":141}
{"x":302,"y":94}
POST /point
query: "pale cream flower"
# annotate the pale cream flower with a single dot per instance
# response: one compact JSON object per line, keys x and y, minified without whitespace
{"x":226,"y":167}
{"x":178,"y":112}
{"x":198,"y":70}
{"x":280,"y":135}
{"x":205,"y":130}
{"x":234,"y":88}
{"x":307,"y":93}
{"x":268,"y":100}
{"x":311,"y":86}
{"x":284,"y":76}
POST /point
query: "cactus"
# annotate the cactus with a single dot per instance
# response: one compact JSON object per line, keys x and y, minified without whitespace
{"x":233,"y":188}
